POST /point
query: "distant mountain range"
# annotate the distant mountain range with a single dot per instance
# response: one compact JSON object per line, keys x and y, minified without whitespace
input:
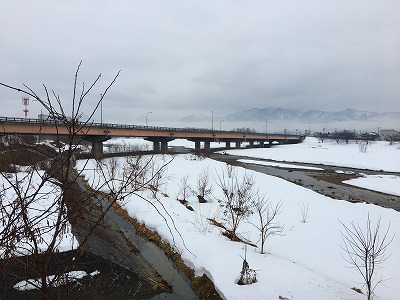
{"x":311,"y":116}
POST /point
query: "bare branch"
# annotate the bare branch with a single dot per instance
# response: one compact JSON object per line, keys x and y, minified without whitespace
{"x":365,"y":250}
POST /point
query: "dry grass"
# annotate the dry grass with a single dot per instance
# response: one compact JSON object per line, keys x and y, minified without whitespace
{"x":23,"y":155}
{"x":333,"y":177}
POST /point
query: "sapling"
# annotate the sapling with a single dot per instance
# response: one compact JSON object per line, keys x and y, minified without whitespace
{"x":267,"y":214}
{"x":365,"y":250}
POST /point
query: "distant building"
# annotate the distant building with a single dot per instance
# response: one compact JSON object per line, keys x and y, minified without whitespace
{"x":386,"y":134}
{"x":58,"y":118}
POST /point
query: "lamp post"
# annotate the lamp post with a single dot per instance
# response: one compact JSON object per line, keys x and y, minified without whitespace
{"x":41,"y":120}
{"x":146,"y":116}
{"x":220,"y":124}
{"x":101,"y":109}
{"x":212,"y":121}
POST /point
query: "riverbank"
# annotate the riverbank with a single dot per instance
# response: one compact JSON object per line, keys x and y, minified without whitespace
{"x":122,"y":239}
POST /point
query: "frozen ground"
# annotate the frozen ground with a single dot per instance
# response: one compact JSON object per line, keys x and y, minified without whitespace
{"x":305,"y":263}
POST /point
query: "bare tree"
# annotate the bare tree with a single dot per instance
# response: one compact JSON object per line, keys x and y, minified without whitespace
{"x":38,"y":204}
{"x":392,"y":138}
{"x":304,"y":209}
{"x":365,"y":250}
{"x":203,"y":187}
{"x":136,"y":173}
{"x":344,"y":135}
{"x":267,"y":214}
{"x":368,"y":137}
{"x":200,"y":222}
{"x":158,"y":175}
{"x":322,"y":136}
{"x":238,"y":193}
{"x":362,"y":147}
{"x":184,"y":188}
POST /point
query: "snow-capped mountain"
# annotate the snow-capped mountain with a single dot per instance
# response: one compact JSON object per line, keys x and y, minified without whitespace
{"x":310,"y":116}
{"x":277,"y":113}
{"x":195,"y":118}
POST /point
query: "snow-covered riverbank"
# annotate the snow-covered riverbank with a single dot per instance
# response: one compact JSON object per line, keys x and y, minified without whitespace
{"x":306,"y":263}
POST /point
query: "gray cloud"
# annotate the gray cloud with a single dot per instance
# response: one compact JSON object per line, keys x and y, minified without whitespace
{"x":180,"y":58}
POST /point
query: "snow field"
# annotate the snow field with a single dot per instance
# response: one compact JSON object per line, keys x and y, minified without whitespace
{"x":379,"y":155}
{"x":306,"y":263}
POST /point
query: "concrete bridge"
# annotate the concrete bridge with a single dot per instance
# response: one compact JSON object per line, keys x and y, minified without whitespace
{"x":97,"y":133}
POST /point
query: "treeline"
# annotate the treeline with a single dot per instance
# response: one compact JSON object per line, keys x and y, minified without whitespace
{"x":244,"y":129}
{"x":347,"y":135}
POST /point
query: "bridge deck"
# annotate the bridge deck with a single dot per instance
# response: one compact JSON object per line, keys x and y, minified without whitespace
{"x":35,"y":126}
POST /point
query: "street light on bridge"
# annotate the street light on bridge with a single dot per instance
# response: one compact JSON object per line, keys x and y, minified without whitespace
{"x":101,"y":109}
{"x":266,"y":125}
{"x":212,"y":121}
{"x":146,"y":116}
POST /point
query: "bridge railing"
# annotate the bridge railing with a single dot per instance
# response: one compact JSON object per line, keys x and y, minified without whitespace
{"x":135,"y":127}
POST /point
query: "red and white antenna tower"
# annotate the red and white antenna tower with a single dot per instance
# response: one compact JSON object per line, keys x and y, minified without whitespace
{"x":25,"y":103}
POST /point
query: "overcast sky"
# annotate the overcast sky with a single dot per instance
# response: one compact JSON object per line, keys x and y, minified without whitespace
{"x":179,"y":58}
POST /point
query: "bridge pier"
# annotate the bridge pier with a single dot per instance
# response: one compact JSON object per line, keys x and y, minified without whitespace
{"x":207,"y":146}
{"x":156,"y":146}
{"x":97,"y":144}
{"x":251,"y":144}
{"x":227,"y":144}
{"x":160,"y":145}
{"x":97,"y":150}
{"x":238,"y":144}
{"x":164,"y":146}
